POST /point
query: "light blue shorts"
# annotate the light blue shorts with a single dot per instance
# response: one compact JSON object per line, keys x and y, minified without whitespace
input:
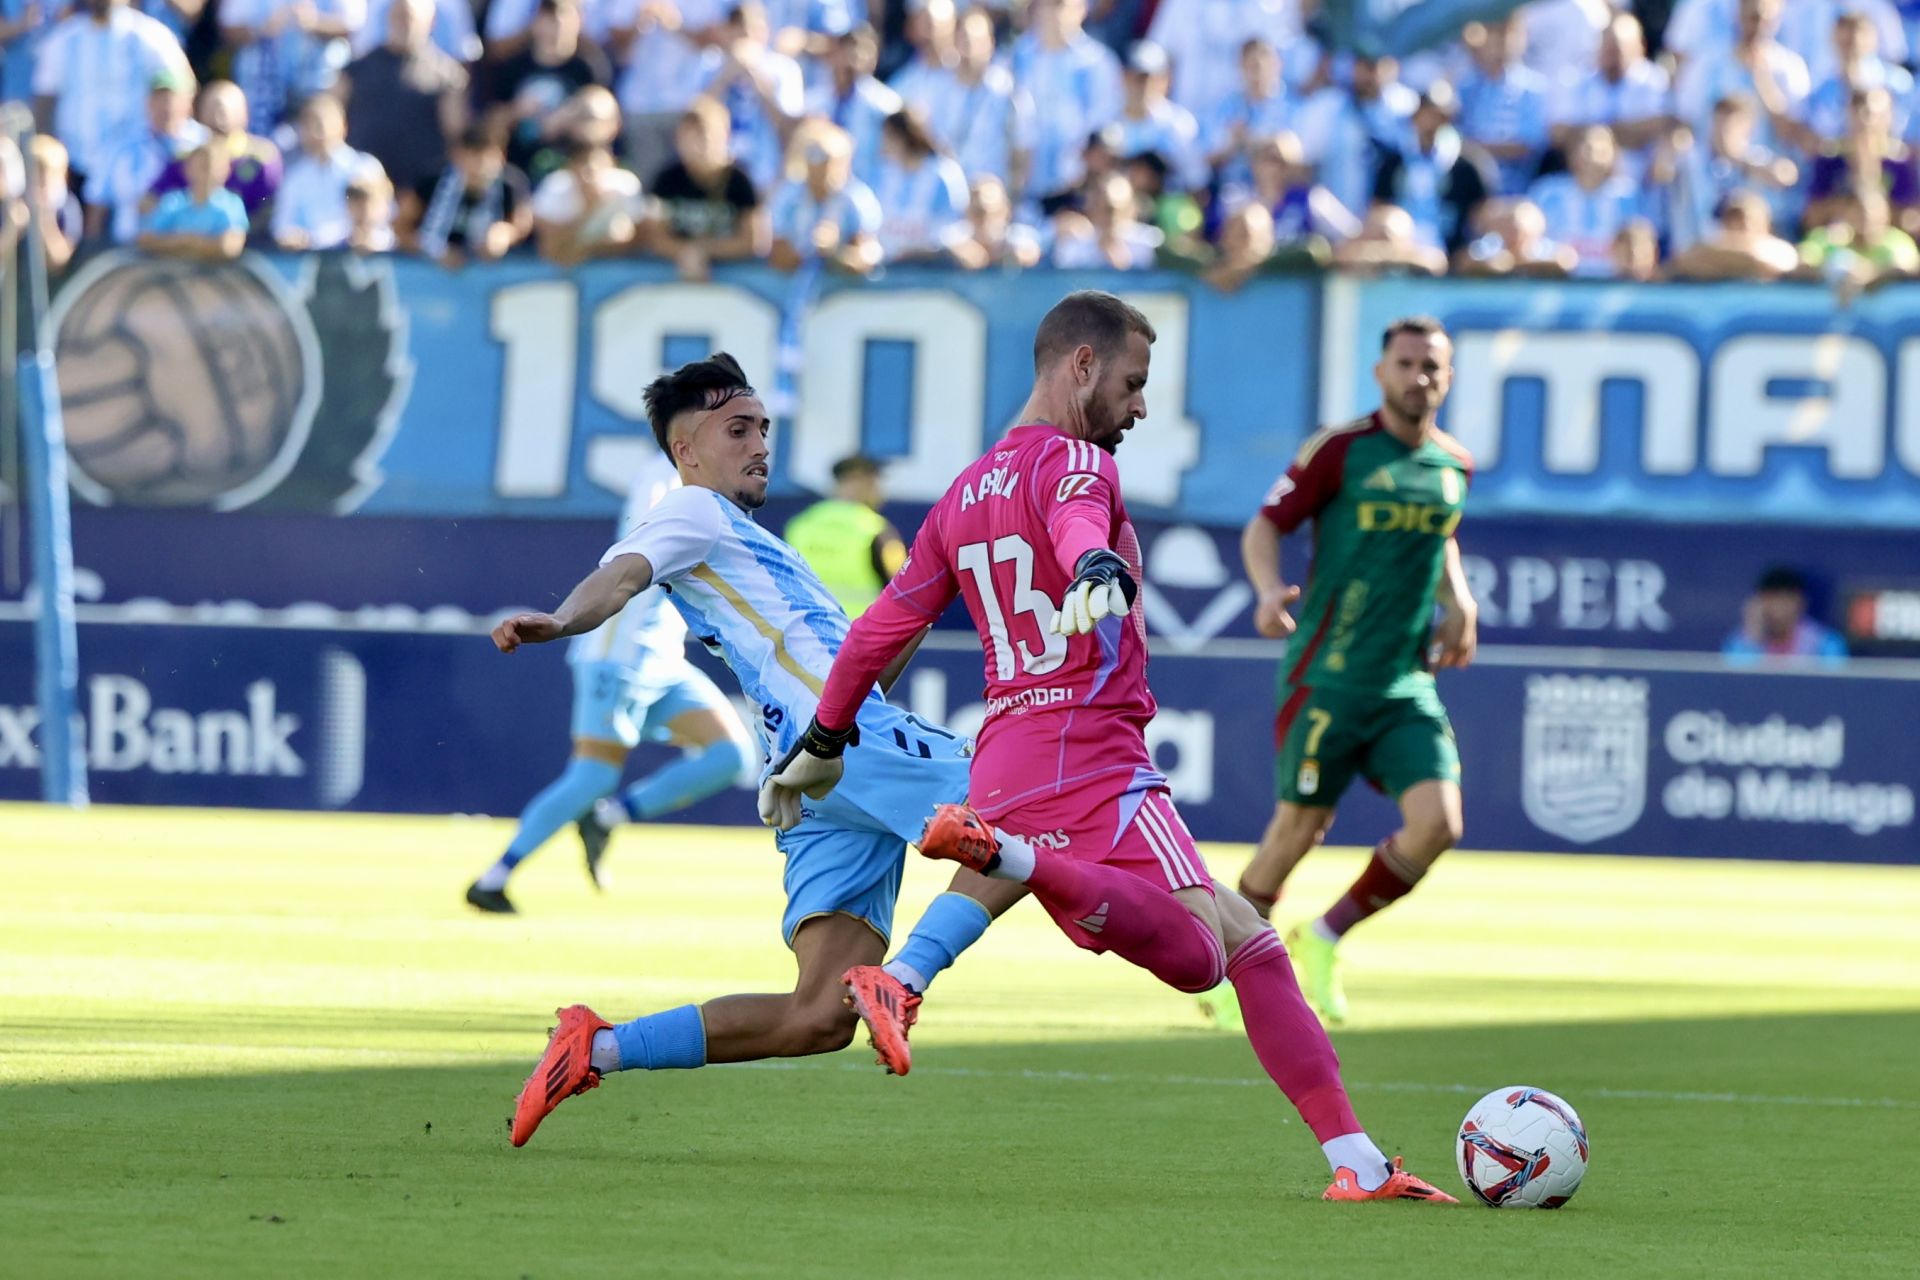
{"x":627,"y":705}
{"x":846,"y":855}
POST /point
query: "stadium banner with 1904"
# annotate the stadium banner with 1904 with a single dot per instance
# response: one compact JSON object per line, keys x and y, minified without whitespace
{"x":1665,"y":757}
{"x":393,"y":387}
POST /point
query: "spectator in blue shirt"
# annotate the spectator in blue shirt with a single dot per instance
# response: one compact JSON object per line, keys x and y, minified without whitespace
{"x":1587,"y":206}
{"x":1260,"y":109}
{"x":973,"y":108}
{"x":822,"y":213}
{"x":204,"y":223}
{"x":1074,"y":82}
{"x":117,"y":192}
{"x":852,"y":98}
{"x":1503,"y":102}
{"x":921,"y":192}
{"x":1857,"y":65}
{"x":1150,"y":121}
{"x":1774,"y":624}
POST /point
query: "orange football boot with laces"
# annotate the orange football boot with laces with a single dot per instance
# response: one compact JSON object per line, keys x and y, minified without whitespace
{"x":889,"y":1009}
{"x":1400,"y":1185}
{"x":566,"y":1068}
{"x":955,"y":833}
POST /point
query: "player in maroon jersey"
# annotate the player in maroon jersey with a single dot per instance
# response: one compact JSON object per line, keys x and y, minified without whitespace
{"x":1064,"y":796}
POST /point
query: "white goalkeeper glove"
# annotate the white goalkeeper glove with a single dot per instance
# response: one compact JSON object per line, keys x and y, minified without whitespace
{"x":811,"y":768}
{"x":1101,"y":588}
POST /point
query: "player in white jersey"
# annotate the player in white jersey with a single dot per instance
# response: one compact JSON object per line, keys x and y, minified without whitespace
{"x":632,"y":683}
{"x":750,"y":598}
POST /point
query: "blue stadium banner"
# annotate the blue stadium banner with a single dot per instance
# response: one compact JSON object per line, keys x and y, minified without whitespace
{"x":394,"y":387}
{"x":1673,"y":757}
{"x":1672,"y":402}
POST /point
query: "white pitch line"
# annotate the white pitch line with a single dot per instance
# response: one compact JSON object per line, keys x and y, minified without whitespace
{"x":425,"y":1057}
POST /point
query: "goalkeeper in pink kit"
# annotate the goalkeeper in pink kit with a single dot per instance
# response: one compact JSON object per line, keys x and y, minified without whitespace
{"x":1063,"y":795}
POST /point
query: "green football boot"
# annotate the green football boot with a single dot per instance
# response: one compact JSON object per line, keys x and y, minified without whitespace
{"x":1317,"y":963}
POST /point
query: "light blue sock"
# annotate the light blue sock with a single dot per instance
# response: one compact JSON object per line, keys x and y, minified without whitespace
{"x":565,"y":798}
{"x":676,"y":1039}
{"x":693,"y":777}
{"x":952,"y":923}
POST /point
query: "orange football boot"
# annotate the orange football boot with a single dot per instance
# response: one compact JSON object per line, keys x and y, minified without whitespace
{"x":956,"y":833}
{"x":889,"y":1009}
{"x":566,"y":1068}
{"x":1400,"y":1185}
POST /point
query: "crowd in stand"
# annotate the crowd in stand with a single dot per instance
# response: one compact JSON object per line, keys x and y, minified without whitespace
{"x":1696,"y":139}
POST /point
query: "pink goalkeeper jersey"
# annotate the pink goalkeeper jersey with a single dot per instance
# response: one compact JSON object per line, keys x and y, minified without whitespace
{"x":1062,"y":714}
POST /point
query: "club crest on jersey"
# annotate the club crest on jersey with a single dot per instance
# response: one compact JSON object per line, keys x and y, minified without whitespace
{"x":1583,"y":761}
{"x":997,"y":483}
{"x":1309,"y":780}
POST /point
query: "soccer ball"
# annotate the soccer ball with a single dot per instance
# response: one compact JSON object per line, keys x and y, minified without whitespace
{"x":1522,"y":1148}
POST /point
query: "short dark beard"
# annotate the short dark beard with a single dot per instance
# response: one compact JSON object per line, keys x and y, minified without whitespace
{"x":747,"y":502}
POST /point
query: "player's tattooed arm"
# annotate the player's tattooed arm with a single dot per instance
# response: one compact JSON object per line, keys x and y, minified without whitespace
{"x":1457,"y":636}
{"x":600,"y":595}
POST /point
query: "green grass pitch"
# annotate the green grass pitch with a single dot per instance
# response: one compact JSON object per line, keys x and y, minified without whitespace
{"x":276,"y":1045}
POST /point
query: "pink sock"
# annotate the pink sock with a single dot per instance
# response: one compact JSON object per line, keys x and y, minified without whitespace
{"x":1287,"y":1038}
{"x":1136,"y":920}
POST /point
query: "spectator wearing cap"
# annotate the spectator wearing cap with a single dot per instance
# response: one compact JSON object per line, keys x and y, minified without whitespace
{"x":1515,"y":244}
{"x":1774,"y":624}
{"x":1074,"y":83}
{"x":1710,"y":169}
{"x":533,"y":84}
{"x":844,"y":539}
{"x":1755,"y":64}
{"x":1440,"y":178}
{"x":853,"y":99}
{"x":204,"y":223}
{"x":1503,"y":102}
{"x":1368,"y":122}
{"x":310,"y":211}
{"x":116,"y":192}
{"x":254,"y":165}
{"x":1586,"y":206}
{"x":284,"y":51}
{"x":975,"y":111}
{"x":478,"y":210}
{"x":705,"y":207}
{"x":1870,"y":158}
{"x":406,"y":99}
{"x":1243,"y":119}
{"x":1857,"y":65}
{"x":657,"y":46}
{"x":1163,"y":205}
{"x":91,"y":76}
{"x":990,"y":237}
{"x":762,"y":90}
{"x":589,"y":208}
{"x":1741,"y":247}
{"x":822,"y":213}
{"x":1205,"y":38}
{"x":1626,"y":91}
{"x":1107,"y":234}
{"x":921,"y":192}
{"x":1149,"y":121}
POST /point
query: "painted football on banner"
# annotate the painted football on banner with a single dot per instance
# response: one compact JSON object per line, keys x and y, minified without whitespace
{"x":1522,"y":1148}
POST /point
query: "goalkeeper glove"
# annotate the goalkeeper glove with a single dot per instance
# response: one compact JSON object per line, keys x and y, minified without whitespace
{"x":811,"y":767}
{"x":1101,"y":587}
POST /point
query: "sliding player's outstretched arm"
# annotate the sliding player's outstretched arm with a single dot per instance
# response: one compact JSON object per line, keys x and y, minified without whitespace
{"x":876,"y":649}
{"x":600,"y":595}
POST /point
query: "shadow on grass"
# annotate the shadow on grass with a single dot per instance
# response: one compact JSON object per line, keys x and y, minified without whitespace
{"x":1163,"y":1156}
